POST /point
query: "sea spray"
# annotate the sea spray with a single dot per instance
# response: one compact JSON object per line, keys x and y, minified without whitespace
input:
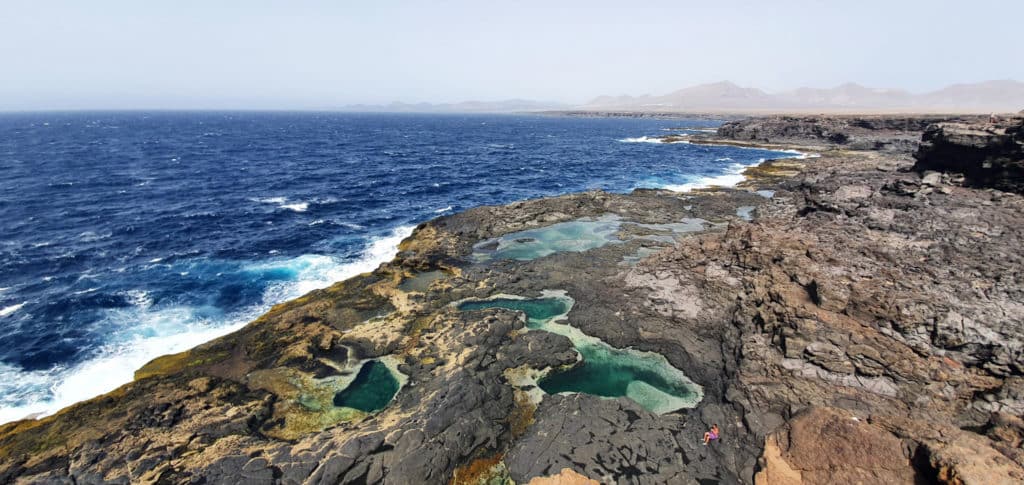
{"x":168,"y":330}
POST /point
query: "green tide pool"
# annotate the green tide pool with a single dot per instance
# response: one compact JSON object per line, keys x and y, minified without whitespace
{"x":371,"y":390}
{"x":644,"y":377}
{"x":537,"y":311}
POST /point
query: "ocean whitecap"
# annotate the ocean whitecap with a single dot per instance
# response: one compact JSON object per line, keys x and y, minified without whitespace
{"x":8,"y":310}
{"x":145,"y":330}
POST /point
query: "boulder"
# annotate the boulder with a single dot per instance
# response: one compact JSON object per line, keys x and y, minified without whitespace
{"x":988,"y":155}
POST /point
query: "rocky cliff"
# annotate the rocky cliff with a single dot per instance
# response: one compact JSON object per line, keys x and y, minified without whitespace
{"x":842,"y":318}
{"x":893,"y":133}
{"x":986,"y":154}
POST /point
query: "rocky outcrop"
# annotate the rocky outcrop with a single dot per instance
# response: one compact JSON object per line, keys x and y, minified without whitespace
{"x":891,"y":133}
{"x":862,"y":324}
{"x":825,"y":445}
{"x":986,"y":155}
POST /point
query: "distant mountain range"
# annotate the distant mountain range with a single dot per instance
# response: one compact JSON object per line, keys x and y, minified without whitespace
{"x":998,"y":96}
{"x":505,"y":106}
{"x":726,"y":97}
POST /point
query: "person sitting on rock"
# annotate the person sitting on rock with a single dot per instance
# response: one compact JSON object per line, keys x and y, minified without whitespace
{"x":711,"y":435}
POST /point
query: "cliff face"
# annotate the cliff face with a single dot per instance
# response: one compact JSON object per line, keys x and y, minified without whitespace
{"x":986,"y":154}
{"x":891,"y":133}
{"x":863,"y":324}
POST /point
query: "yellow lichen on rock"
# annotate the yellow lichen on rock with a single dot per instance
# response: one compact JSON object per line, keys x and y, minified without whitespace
{"x":482,"y":471}
{"x":304,"y":404}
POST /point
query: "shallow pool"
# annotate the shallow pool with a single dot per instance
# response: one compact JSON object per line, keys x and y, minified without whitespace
{"x":645,"y":377}
{"x":371,"y":390}
{"x":575,"y":236}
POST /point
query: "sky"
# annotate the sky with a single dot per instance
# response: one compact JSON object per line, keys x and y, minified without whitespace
{"x":106,"y":54}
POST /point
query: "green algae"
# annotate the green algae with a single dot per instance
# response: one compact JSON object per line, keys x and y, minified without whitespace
{"x":644,"y":377}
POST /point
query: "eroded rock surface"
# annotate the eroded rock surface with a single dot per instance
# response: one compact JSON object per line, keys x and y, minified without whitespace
{"x":893,"y":133}
{"x":986,"y":154}
{"x":865,"y":323}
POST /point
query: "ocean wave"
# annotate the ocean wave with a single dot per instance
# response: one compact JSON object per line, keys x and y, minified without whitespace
{"x":283,"y":203}
{"x":443,"y":210}
{"x":8,"y":310}
{"x":733,"y":173}
{"x":146,"y":331}
{"x":654,"y":139}
{"x":92,"y":236}
{"x":801,"y":155}
{"x":732,"y":176}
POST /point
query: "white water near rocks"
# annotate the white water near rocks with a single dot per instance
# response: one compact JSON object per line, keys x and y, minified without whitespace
{"x":176,"y":329}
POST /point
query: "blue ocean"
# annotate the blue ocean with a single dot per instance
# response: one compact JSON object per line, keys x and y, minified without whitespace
{"x":124,"y":236}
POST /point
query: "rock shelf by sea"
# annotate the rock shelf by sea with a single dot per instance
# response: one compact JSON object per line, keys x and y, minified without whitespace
{"x":847,"y":318}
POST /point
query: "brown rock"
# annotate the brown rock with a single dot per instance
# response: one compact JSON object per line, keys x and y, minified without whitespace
{"x":565,"y":477}
{"x":825,"y":446}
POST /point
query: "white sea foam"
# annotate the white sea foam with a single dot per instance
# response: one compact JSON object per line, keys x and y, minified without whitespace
{"x":283,"y":203}
{"x":442,"y":211}
{"x":801,"y":155}
{"x":641,"y":139}
{"x":11,"y":309}
{"x":651,"y":139}
{"x":732,"y":176}
{"x":145,"y":331}
{"x":90,"y":236}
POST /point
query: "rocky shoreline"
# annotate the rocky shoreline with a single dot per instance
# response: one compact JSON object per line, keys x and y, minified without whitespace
{"x":855,"y":317}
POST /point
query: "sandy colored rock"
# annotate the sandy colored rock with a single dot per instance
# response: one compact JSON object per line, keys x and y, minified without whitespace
{"x":565,"y":477}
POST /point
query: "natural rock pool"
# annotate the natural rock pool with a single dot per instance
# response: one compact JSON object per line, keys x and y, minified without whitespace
{"x":645,"y":377}
{"x":421,"y":282}
{"x":578,"y":235}
{"x":371,"y":390}
{"x":581,"y":235}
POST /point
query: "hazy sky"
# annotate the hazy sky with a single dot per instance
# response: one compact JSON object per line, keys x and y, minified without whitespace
{"x":320,"y":54}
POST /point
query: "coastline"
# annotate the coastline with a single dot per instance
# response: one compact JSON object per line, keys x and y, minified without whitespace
{"x":782,"y":318}
{"x":114,"y":375}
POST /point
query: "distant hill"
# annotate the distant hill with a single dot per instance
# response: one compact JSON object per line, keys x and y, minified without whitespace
{"x":998,"y":96}
{"x":505,"y":106}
